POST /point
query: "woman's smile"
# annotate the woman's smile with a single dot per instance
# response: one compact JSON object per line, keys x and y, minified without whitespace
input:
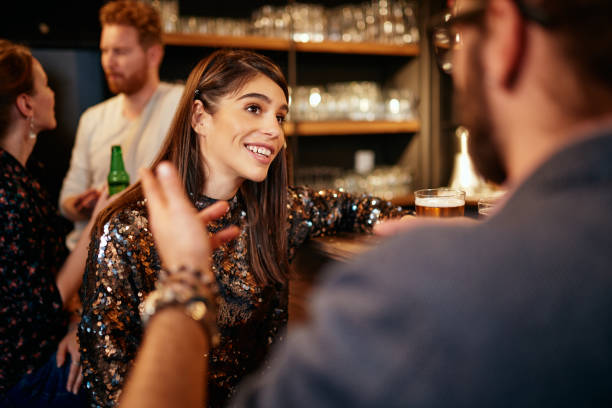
{"x":262,"y":153}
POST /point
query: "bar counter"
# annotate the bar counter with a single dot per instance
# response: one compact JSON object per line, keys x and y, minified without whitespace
{"x":316,"y":253}
{"x":311,"y":258}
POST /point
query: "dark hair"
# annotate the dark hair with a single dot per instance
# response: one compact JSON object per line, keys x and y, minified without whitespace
{"x":585,"y":34}
{"x":142,"y":16}
{"x":220,"y":74}
{"x":16,"y":77}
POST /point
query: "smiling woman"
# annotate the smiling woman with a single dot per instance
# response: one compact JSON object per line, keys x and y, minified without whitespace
{"x":227,"y":142}
{"x":245,"y":135}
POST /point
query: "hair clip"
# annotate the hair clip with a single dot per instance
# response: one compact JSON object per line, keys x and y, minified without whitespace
{"x":196,"y":94}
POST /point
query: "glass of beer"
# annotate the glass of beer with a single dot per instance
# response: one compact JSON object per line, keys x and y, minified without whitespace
{"x":439,"y":202}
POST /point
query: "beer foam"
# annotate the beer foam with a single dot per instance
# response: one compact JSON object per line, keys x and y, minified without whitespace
{"x":440,"y":202}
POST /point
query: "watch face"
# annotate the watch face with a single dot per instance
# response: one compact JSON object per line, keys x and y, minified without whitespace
{"x":196,"y":309}
{"x":193,"y":299}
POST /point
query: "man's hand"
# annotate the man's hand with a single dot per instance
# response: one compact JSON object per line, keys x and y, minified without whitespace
{"x":86,"y":201}
{"x":80,"y":207}
{"x":179,"y":231}
{"x":393,"y":226}
{"x":103,"y":200}
{"x":70,"y":345}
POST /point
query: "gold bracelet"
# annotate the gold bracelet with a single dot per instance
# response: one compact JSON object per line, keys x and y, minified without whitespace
{"x":197,"y":300}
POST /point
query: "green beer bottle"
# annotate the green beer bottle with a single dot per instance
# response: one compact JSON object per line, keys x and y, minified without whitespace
{"x":118,"y":178}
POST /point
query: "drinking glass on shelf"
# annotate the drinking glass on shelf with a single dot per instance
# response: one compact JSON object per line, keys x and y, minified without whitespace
{"x":371,"y":23}
{"x":317,"y":177}
{"x":349,"y":30}
{"x":439,"y":202}
{"x":309,"y":22}
{"x":187,"y":24}
{"x":316,"y":104}
{"x":168,"y":12}
{"x":411,"y":29}
{"x":400,"y":104}
{"x":299,"y":103}
{"x":386,"y":182}
{"x":361,"y":101}
{"x":262,"y":21}
{"x":282,"y":22}
{"x":487,"y":204}
{"x":334,"y":24}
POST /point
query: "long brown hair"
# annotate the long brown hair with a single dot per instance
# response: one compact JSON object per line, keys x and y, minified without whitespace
{"x":222,"y":73}
{"x":16,"y":77}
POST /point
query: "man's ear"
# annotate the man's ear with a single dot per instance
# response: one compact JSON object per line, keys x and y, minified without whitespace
{"x":199,"y":117}
{"x":505,"y":47}
{"x":24,"y":105}
{"x":155,"y":53}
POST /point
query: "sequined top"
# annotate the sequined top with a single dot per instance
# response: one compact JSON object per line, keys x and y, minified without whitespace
{"x":32,"y":251}
{"x":123,"y":267}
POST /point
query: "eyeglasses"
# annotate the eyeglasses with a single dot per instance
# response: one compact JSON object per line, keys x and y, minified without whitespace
{"x":445,"y":37}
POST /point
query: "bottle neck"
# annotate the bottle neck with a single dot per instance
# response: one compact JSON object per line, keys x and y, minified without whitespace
{"x":117,"y":160}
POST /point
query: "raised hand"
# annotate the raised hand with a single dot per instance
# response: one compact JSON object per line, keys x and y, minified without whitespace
{"x":178,"y":229}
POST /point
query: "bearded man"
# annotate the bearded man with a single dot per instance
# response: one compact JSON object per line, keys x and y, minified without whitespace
{"x":513,"y":311}
{"x":137,"y":117}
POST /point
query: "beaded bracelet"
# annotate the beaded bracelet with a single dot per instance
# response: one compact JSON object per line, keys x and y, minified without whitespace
{"x":186,"y":289}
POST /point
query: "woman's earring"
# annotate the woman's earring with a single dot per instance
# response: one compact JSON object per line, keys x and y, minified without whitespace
{"x":31,"y":133}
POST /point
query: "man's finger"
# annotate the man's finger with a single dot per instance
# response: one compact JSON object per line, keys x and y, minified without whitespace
{"x":87,"y":195}
{"x":90,"y":203}
{"x":213,"y":211}
{"x":150,"y":186}
{"x":394,"y":226}
{"x":171,"y":185}
{"x":223,"y":236}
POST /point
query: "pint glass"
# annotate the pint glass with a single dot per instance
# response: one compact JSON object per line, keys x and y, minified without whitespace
{"x":439,"y":202}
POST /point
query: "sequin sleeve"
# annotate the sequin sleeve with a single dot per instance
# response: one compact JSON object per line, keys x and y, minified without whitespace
{"x":121,"y":269}
{"x":323,"y":212}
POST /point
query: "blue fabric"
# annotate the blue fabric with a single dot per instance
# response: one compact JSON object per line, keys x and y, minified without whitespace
{"x":45,"y":388}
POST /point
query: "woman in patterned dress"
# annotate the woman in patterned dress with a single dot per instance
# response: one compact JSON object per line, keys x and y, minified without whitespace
{"x":39,"y":357}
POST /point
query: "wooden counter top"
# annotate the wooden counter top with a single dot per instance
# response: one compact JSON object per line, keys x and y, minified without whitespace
{"x":311,"y":258}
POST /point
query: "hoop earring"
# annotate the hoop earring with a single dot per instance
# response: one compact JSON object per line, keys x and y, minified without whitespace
{"x":31,"y":133}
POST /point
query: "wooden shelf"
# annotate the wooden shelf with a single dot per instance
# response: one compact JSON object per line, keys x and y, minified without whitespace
{"x":209,"y":40}
{"x":348,"y":127}
{"x":279,"y":44}
{"x":406,"y":50}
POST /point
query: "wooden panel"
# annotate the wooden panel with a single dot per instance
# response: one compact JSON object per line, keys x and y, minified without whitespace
{"x":359,"y":48}
{"x":350,"y":127}
{"x":279,"y":44}
{"x":209,"y":40}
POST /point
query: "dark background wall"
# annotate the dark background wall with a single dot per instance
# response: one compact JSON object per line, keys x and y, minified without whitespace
{"x":76,"y":77}
{"x":63,"y":36}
